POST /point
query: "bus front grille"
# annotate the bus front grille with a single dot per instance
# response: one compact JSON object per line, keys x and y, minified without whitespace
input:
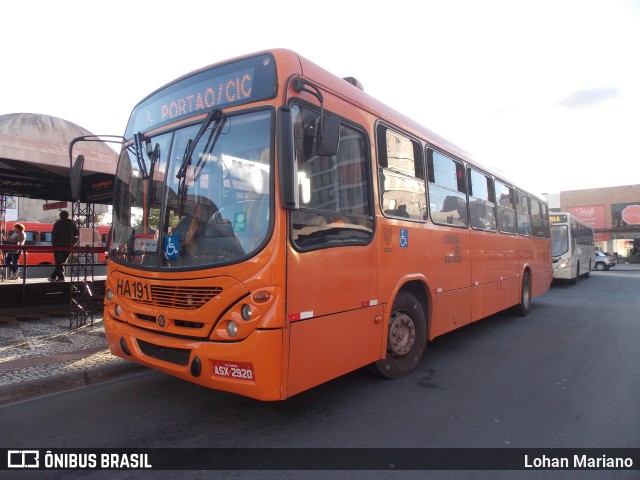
{"x":186,"y":298}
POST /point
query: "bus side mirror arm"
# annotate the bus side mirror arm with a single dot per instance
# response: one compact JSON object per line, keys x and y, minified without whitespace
{"x":328,"y":135}
{"x":287,"y":168}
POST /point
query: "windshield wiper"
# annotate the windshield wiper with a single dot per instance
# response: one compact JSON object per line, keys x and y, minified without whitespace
{"x":209,"y":146}
{"x":190,"y":148}
{"x":154,"y":156}
{"x":138,"y":139}
{"x":192,"y":143}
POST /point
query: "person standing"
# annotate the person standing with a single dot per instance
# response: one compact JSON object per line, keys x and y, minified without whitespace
{"x":63,"y":234}
{"x":17,"y":237}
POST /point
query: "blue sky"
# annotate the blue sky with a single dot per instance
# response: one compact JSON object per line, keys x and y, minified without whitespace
{"x":546,"y":91}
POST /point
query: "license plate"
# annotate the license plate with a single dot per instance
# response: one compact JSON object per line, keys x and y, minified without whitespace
{"x":135,"y":289}
{"x":239,"y":371}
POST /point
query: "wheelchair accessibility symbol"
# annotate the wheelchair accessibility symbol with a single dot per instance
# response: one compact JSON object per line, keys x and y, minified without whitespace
{"x":404,"y":238}
{"x":171,"y":246}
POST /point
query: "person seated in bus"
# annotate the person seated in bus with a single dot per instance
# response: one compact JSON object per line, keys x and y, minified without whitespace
{"x":17,"y":237}
{"x":192,"y":225}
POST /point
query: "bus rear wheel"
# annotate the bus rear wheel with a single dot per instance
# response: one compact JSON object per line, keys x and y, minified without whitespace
{"x":407,"y":338}
{"x":524,"y":306}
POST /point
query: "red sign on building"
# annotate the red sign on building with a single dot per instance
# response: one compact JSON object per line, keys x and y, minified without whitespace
{"x":54,"y":206}
{"x":631,"y":215}
{"x":593,"y":215}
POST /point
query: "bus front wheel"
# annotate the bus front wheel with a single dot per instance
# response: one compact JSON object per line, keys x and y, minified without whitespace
{"x":577,"y":277}
{"x":407,"y":338}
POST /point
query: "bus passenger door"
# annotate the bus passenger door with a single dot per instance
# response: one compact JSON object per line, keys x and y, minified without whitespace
{"x":332,"y":302}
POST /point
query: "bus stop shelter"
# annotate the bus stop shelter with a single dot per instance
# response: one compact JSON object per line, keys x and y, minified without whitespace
{"x":34,"y":159}
{"x":35,"y":163}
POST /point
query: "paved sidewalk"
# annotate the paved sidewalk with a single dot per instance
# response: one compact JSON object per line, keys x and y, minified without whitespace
{"x":40,"y":353}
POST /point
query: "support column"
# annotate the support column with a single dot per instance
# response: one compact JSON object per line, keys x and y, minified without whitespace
{"x":81,"y":304}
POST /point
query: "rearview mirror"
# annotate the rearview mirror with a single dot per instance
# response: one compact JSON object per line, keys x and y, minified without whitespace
{"x":328,"y":136}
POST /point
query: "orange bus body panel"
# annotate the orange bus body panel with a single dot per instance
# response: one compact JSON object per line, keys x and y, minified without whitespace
{"x":325,"y":348}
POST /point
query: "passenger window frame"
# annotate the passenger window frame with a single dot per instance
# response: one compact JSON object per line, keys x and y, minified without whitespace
{"x":489,"y":201}
{"x":305,"y":217}
{"x":454,"y":214}
{"x":401,"y":177}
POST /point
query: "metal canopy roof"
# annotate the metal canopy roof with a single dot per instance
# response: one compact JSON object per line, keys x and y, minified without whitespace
{"x":34,"y":159}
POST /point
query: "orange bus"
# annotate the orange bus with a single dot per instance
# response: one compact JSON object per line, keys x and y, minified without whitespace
{"x":39,"y":234}
{"x":275,"y":227}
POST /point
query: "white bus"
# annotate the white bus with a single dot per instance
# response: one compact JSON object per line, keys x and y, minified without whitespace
{"x":572,"y":247}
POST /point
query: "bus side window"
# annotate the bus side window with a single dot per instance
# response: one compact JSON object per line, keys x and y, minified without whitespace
{"x":335,"y":203}
{"x":30,"y":238}
{"x":482,"y":207}
{"x":536,"y":219}
{"x":402,"y":185}
{"x":506,"y":211}
{"x":45,"y":238}
{"x":524,"y":214}
{"x":447,"y":190}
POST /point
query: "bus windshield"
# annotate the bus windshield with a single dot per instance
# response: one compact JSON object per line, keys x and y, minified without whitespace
{"x":560,"y":237}
{"x":189,"y":198}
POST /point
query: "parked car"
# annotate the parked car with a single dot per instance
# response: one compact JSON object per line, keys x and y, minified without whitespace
{"x":603,"y":261}
{"x":615,"y":262}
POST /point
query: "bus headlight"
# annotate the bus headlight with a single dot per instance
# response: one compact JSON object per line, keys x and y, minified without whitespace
{"x":232,"y":328}
{"x":246,"y":312}
{"x":118,"y":310}
{"x":564,"y":263}
{"x":109,"y":295}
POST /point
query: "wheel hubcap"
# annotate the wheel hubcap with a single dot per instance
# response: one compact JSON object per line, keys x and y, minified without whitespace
{"x":402,"y":334}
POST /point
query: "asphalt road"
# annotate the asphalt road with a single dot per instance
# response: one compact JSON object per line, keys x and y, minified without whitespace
{"x":566,"y":376}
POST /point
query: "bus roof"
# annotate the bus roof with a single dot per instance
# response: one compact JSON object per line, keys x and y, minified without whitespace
{"x":295,"y":64}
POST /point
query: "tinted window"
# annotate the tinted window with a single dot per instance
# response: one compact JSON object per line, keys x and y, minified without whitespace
{"x":335,"y":193}
{"x":482,"y":208}
{"x":524,"y":214}
{"x":447,"y":190}
{"x":506,"y":211}
{"x":402,"y":184}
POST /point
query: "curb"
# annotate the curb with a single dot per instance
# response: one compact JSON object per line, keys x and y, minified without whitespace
{"x":43,"y":386}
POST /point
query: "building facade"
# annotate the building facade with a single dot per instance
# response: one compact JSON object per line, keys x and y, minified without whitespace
{"x":613,"y":213}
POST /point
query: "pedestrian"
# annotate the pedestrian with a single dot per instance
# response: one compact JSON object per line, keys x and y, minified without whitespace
{"x":17,"y":237}
{"x":63,"y":234}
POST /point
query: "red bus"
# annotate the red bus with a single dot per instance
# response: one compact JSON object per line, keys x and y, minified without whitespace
{"x":39,"y":234}
{"x":275,"y":227}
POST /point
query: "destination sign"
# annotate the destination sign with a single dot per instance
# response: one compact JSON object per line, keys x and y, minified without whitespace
{"x":239,"y":82}
{"x":558,"y":218}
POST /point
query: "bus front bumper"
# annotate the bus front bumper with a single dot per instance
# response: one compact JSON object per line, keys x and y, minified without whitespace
{"x":251,"y":367}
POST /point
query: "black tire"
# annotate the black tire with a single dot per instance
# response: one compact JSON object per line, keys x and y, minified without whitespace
{"x":523,"y":308}
{"x":407,"y":339}
{"x":577,"y":277}
{"x":600,"y":266}
{"x":588,"y":273}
